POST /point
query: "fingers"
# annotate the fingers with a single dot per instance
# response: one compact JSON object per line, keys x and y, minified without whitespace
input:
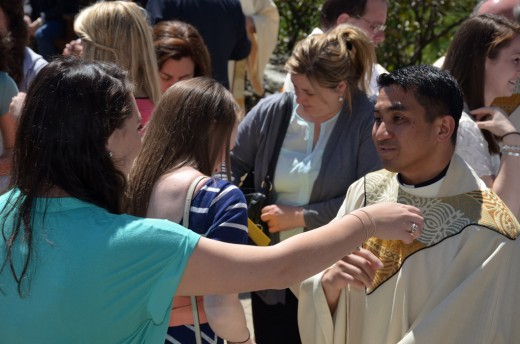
{"x":479,"y":113}
{"x":417,"y":219}
{"x":413,"y":231}
{"x":371,"y":258}
{"x":482,"y":112}
{"x":355,"y":269}
{"x":413,"y":209}
{"x":268,"y":215}
{"x":493,"y":119}
{"x":413,"y":225}
{"x":343,"y":274}
{"x":277,"y":217}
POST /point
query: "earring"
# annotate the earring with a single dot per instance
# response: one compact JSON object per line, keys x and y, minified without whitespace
{"x":341,"y":99}
{"x":109,"y":153}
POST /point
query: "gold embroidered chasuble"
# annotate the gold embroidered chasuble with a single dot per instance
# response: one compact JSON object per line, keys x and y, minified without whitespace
{"x":444,"y":217}
{"x":455,"y":284}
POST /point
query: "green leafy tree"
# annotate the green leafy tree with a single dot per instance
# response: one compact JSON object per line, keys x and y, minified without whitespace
{"x":418,"y":31}
{"x":297,"y":19}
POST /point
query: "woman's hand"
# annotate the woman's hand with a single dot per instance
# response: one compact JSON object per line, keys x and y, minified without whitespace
{"x":73,"y":48}
{"x":282,"y":217}
{"x":494,"y":120}
{"x":394,"y":221}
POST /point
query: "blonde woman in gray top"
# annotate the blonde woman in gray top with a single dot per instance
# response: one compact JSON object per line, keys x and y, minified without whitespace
{"x":327,"y":145}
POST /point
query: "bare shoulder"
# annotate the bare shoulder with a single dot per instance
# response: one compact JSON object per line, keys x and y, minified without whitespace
{"x":169,"y":194}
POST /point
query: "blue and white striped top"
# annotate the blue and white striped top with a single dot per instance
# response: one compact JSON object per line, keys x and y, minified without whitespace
{"x":219,"y":212}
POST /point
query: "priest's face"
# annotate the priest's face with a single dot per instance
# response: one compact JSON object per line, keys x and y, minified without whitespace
{"x":406,"y":142}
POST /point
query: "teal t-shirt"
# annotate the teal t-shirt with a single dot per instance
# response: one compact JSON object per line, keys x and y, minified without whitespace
{"x":94,"y":277}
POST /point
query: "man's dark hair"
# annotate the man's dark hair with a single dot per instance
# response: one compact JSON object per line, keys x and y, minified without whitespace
{"x":332,"y":9}
{"x":436,"y":90}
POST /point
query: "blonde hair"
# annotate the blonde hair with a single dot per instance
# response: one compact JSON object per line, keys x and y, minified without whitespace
{"x":118,"y":31}
{"x":344,"y":53}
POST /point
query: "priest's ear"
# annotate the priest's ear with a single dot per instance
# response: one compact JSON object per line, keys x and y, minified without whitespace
{"x":445,"y":126}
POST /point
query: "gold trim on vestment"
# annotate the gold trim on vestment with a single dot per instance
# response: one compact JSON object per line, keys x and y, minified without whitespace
{"x":444,"y":217}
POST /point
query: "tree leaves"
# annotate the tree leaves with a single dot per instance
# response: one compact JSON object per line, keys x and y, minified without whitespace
{"x":417,"y":31}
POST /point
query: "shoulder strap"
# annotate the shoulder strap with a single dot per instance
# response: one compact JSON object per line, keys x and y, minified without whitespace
{"x":269,"y":177}
{"x":185,"y":223}
{"x":189,"y":197}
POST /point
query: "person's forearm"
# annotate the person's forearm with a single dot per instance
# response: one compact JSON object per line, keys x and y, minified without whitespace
{"x":276,"y":267}
{"x":226,"y":317}
{"x":507,"y":182}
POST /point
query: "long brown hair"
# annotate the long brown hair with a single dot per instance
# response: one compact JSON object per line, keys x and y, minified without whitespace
{"x":191,"y":126}
{"x":478,"y":38}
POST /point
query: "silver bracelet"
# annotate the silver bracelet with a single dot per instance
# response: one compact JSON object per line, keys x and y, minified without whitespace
{"x":372,"y":221}
{"x":363,"y":222}
{"x":511,"y":153}
{"x":508,"y":148}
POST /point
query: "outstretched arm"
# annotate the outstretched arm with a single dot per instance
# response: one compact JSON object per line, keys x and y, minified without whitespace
{"x":220,"y":268}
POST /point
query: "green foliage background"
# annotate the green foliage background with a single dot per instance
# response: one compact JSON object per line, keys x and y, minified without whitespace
{"x":418,"y":31}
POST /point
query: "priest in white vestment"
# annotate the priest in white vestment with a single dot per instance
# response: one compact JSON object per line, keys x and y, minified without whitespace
{"x":458,"y":282}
